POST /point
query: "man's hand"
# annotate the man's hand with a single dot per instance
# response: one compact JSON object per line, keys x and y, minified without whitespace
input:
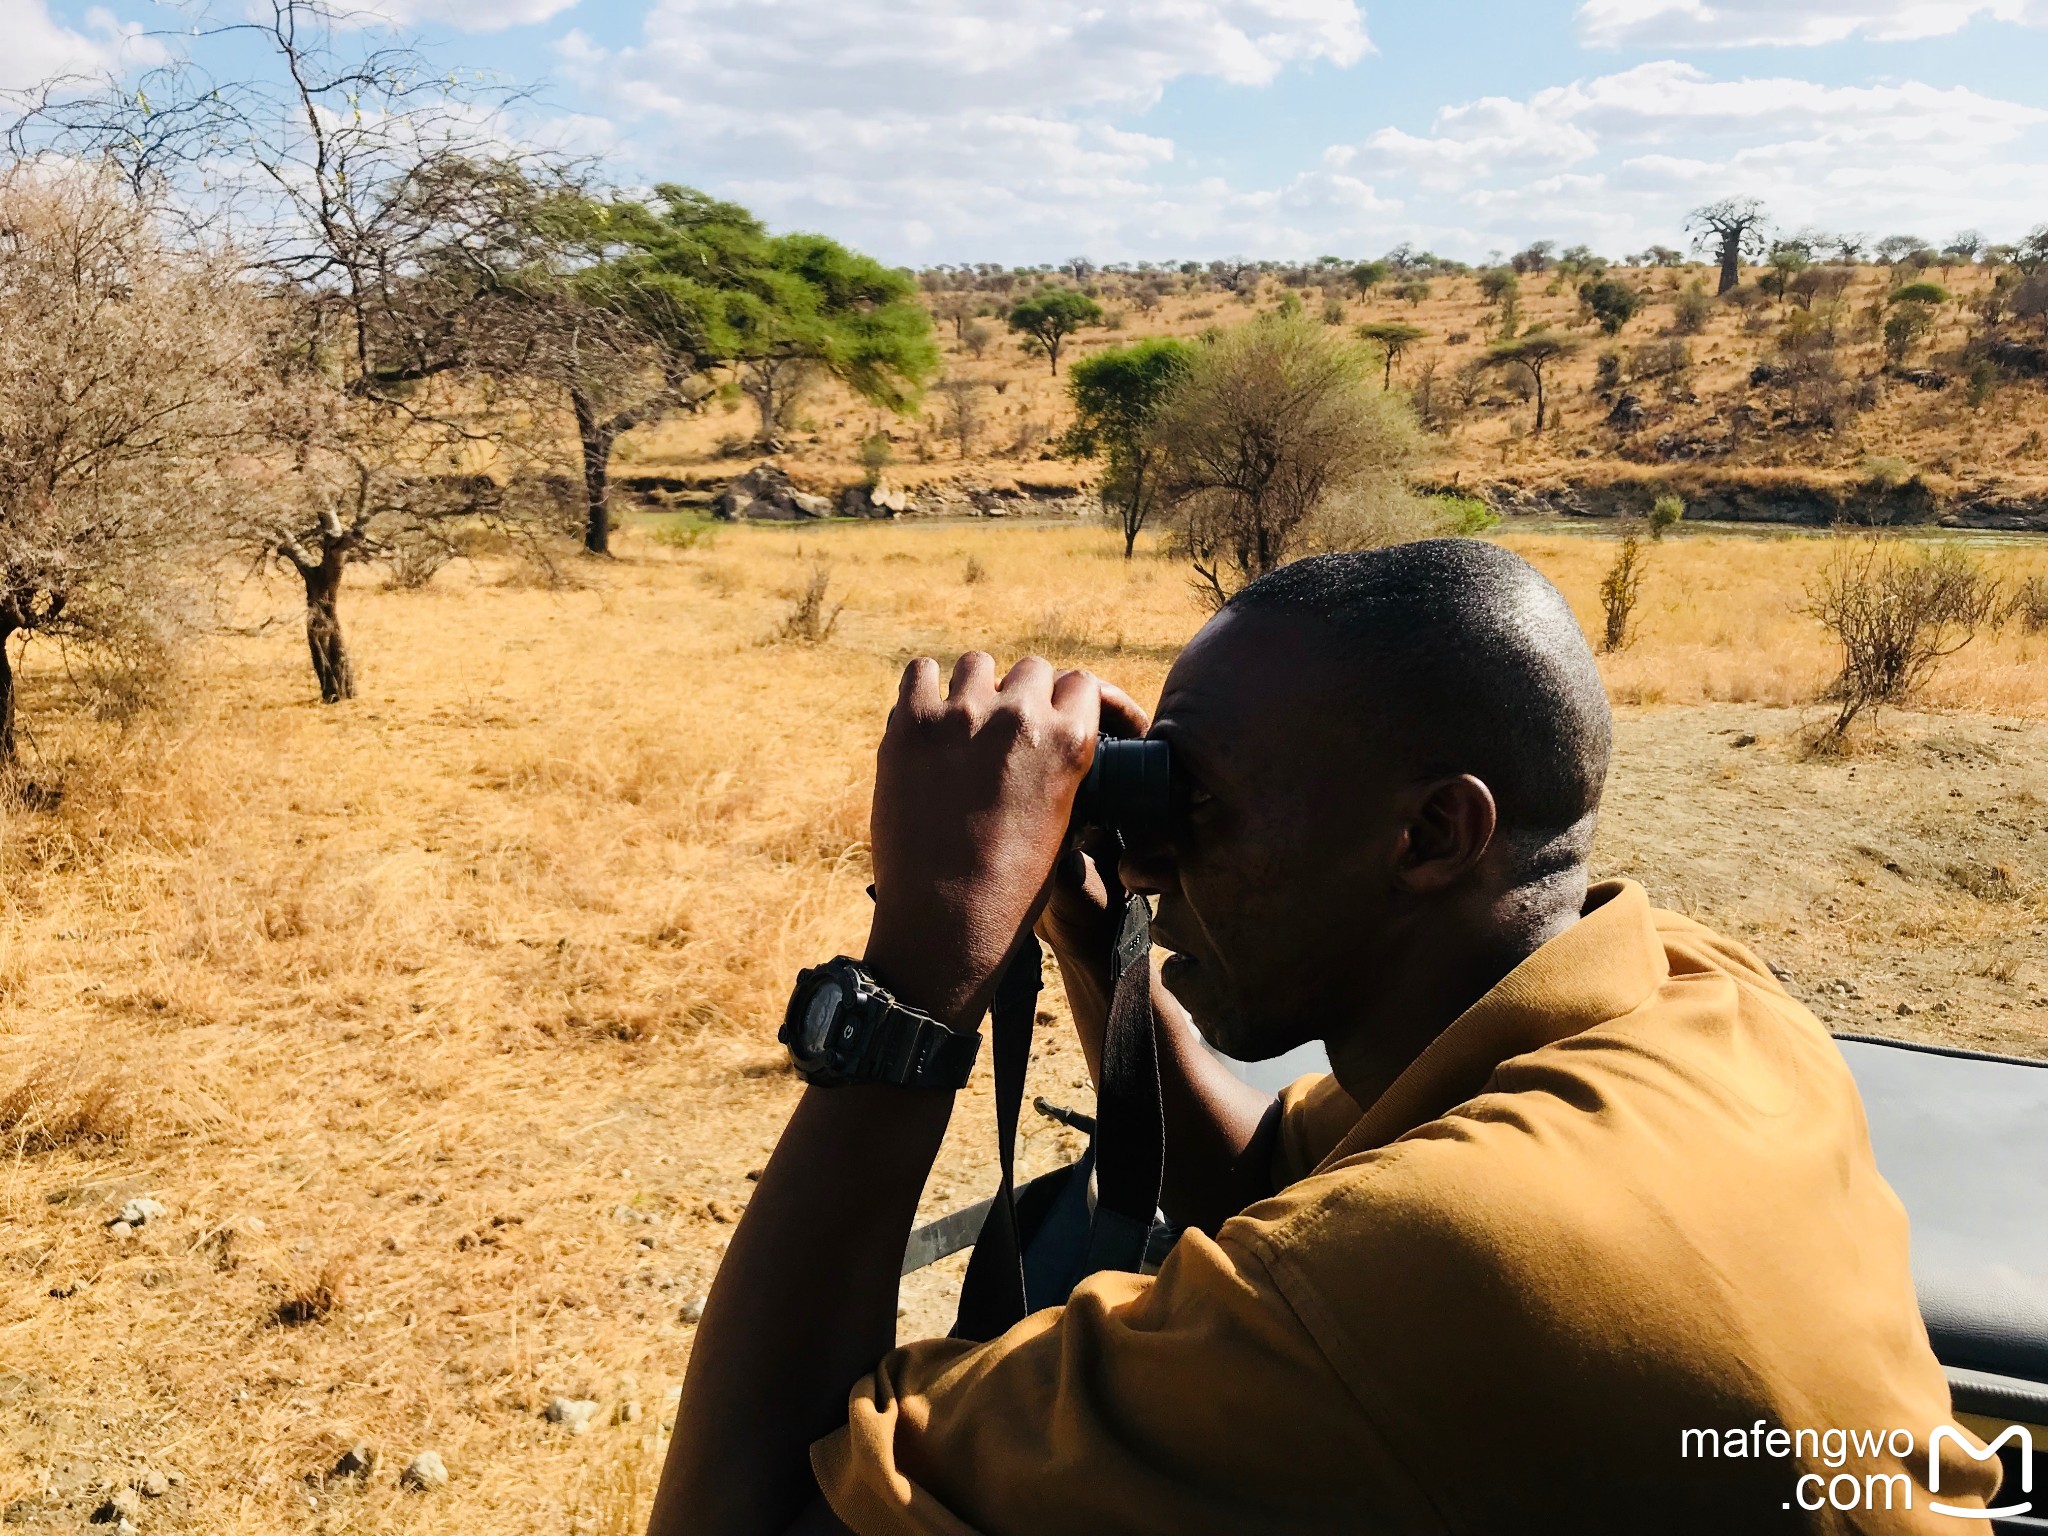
{"x":1085,"y":912}
{"x":973,"y":791}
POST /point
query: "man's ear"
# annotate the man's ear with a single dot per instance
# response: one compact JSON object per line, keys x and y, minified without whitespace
{"x":1449,"y":827}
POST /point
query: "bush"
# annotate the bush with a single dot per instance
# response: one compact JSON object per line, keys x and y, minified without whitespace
{"x":876,"y":455}
{"x":2029,"y":605}
{"x":1895,"y":612}
{"x":808,"y":622}
{"x":1887,"y":472}
{"x":1666,"y":513}
{"x":1905,"y":328}
{"x":1610,"y":301}
{"x":1465,"y":516}
{"x":1620,"y":591}
{"x":1607,"y":371}
{"x":1692,"y":309}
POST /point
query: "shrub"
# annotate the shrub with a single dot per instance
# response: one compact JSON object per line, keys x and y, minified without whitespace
{"x":1666,"y":513}
{"x":1607,"y":370}
{"x":1610,"y":301}
{"x":1621,"y":589}
{"x":1904,"y":329}
{"x":415,"y":558}
{"x":1887,"y":472}
{"x":2029,"y":605}
{"x":876,"y":454}
{"x":1895,"y":612}
{"x":1465,"y":516}
{"x":974,"y":573}
{"x":808,"y":622}
{"x":1692,"y":308}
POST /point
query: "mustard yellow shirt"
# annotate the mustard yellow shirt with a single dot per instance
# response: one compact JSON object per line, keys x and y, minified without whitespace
{"x":1627,"y":1195}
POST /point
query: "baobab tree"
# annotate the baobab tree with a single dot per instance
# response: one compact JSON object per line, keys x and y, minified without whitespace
{"x":1730,"y":229}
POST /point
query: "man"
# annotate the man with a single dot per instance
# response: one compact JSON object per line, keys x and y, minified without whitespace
{"x":1583,"y":1177}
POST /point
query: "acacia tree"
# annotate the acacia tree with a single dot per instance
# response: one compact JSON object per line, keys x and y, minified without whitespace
{"x":1117,"y":395}
{"x":1392,"y":337}
{"x":1534,"y":354}
{"x":1051,"y":315}
{"x":124,"y":372}
{"x":1730,"y":229}
{"x":817,"y":307}
{"x":1273,"y":428}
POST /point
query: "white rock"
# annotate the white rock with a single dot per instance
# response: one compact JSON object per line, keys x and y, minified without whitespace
{"x":572,"y":1413}
{"x":692,"y":1310}
{"x":140,"y":1212}
{"x":425,"y":1472}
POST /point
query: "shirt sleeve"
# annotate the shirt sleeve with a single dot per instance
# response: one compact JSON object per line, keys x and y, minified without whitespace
{"x":1193,"y":1402}
{"x":1315,"y":1114}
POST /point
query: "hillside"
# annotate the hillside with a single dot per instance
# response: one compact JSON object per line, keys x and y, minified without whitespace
{"x":1757,"y":397}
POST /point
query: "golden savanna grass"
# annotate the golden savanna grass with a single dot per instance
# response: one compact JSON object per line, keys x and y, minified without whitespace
{"x":441,"y":1023}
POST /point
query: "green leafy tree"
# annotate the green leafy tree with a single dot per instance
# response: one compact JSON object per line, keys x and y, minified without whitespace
{"x":1368,"y":275}
{"x":640,"y":302}
{"x":1535,"y":353}
{"x":825,"y":309}
{"x":1610,"y":301}
{"x":1117,"y":394}
{"x":1392,"y":337}
{"x":1051,"y":315}
{"x":633,"y":305}
{"x":1787,"y":261}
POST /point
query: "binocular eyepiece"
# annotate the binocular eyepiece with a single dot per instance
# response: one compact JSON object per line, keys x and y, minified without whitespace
{"x":1128,"y":787}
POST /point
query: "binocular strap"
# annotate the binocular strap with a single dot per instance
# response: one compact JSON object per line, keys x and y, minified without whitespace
{"x":1130,"y":1134}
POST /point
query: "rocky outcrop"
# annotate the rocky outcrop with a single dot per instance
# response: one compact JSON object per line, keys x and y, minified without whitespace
{"x":766,"y":494}
{"x":1773,"y":499}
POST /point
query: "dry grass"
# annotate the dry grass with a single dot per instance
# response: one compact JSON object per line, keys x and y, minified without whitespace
{"x":441,"y":1021}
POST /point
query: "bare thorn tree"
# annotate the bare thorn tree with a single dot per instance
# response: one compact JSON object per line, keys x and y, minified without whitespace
{"x":123,"y":369}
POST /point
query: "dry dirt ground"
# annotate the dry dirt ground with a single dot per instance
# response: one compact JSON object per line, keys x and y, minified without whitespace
{"x":439,"y":1024}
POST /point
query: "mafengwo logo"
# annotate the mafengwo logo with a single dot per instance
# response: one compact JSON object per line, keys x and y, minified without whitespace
{"x":2017,"y":1432}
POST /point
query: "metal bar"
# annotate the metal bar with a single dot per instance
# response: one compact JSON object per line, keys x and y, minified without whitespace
{"x":948,"y":1235}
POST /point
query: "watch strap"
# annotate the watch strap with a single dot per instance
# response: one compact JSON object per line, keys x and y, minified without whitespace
{"x":914,"y":1050}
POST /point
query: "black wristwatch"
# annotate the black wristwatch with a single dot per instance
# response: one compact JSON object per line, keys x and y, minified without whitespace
{"x":843,"y":1027}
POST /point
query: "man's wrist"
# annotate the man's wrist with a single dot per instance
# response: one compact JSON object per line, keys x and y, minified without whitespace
{"x":926,"y":974}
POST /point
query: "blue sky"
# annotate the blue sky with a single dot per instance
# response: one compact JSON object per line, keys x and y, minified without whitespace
{"x":1030,"y":130}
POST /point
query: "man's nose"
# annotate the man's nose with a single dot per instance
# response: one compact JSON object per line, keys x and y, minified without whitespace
{"x":1147,"y":866}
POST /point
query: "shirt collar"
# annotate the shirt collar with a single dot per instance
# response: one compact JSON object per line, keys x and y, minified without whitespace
{"x":1606,"y":964}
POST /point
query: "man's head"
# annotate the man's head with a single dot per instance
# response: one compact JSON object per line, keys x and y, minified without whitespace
{"x":1384,"y":762}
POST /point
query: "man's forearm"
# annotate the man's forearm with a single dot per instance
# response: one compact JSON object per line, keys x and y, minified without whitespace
{"x":803,"y":1307}
{"x":1219,"y":1129}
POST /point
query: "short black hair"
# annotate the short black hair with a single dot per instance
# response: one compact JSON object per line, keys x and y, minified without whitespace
{"x":1469,"y":652}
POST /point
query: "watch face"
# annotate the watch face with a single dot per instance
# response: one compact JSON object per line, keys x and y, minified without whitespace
{"x":821,"y":1012}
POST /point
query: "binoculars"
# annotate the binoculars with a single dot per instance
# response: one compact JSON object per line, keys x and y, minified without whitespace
{"x":1128,"y":787}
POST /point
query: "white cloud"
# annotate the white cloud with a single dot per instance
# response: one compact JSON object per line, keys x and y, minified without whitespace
{"x":463,"y":15}
{"x":940,"y":127}
{"x":40,"y":48}
{"x":1617,"y":160}
{"x":1750,"y":23}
